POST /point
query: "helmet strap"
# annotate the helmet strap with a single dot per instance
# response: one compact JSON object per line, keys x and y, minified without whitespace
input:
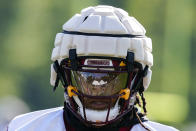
{"x":73,"y":59}
{"x":138,"y":86}
{"x":130,"y":67}
{"x":60,"y":76}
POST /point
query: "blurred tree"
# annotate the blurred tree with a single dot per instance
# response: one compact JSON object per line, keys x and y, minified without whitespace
{"x":148,"y":13}
{"x":115,"y":3}
{"x":192,"y":91}
{"x":7,"y":15}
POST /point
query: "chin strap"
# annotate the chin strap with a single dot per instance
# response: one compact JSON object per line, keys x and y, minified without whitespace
{"x":60,"y":76}
{"x":138,"y":82}
{"x":58,"y":69}
{"x":139,"y":87}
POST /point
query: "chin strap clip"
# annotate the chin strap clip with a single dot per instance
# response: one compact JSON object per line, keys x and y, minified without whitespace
{"x":126,"y":93}
{"x":70,"y":90}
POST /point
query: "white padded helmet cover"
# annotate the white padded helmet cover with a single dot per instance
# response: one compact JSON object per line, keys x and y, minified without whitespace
{"x":108,"y":20}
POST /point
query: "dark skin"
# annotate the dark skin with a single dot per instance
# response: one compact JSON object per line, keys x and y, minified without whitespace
{"x":97,"y":104}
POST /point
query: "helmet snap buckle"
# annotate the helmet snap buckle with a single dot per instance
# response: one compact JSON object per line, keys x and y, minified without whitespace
{"x":126,"y":93}
{"x":70,"y":90}
{"x":122,"y":64}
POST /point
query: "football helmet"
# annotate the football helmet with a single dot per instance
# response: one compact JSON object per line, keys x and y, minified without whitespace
{"x":103,"y":59}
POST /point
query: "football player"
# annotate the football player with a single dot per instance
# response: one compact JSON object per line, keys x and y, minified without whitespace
{"x":103,"y":60}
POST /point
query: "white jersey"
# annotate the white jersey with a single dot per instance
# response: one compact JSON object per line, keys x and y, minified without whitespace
{"x":52,"y":120}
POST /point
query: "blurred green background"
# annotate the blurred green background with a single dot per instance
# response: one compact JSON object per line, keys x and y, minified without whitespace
{"x":27,"y":32}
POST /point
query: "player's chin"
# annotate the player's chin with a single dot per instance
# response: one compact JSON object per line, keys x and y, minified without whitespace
{"x":98,"y":105}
